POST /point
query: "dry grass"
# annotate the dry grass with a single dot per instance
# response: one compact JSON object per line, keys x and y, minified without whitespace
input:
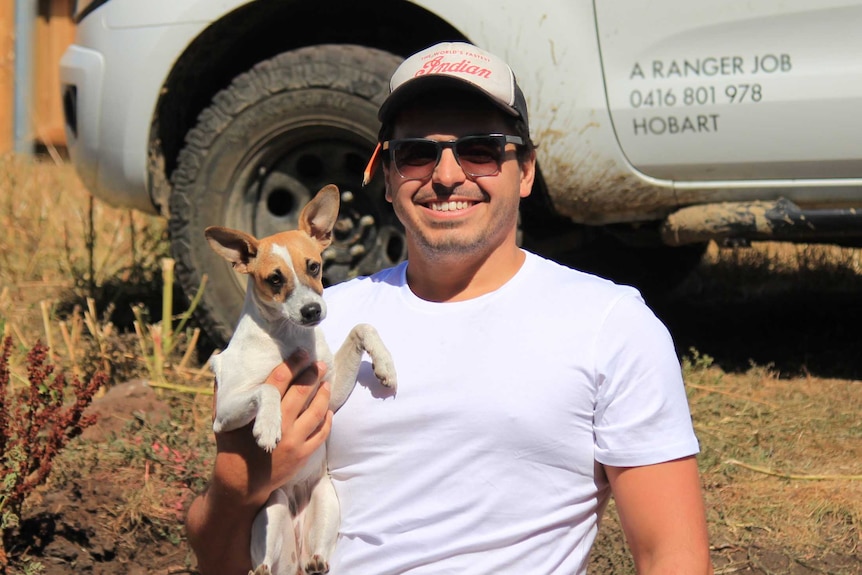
{"x":768,"y":267}
{"x":782,"y":460}
{"x":46,"y":218}
{"x":73,"y":270}
{"x":781,"y":455}
{"x":781,"y":464}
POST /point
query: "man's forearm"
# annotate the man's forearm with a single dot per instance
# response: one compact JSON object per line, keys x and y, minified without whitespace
{"x":219,"y":521}
{"x":219,"y":533}
{"x":693,"y":562}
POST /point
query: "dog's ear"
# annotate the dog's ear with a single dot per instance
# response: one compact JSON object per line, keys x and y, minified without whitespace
{"x":318,"y":217}
{"x":237,"y":247}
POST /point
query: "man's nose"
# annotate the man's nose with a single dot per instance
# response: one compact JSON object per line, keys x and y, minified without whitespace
{"x":448,"y":172}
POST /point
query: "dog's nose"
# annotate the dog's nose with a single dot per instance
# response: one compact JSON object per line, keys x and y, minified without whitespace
{"x":311,"y":313}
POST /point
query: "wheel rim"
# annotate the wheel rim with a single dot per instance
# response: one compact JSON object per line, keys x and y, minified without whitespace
{"x":277,"y":178}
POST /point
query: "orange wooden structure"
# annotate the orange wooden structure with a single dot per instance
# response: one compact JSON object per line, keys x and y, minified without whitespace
{"x":7,"y":74}
{"x":53,"y":31}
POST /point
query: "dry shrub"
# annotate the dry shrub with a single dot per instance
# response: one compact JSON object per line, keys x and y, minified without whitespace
{"x":36,"y":423}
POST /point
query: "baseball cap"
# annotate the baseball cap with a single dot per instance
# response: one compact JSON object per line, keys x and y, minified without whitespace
{"x":458,"y":65}
{"x":451,"y":65}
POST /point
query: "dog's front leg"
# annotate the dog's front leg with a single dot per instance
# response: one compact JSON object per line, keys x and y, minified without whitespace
{"x":262,"y":404}
{"x":361,"y":338}
{"x":273,"y":538}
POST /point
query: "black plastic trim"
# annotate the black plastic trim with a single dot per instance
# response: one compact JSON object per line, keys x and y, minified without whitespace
{"x":89,"y":9}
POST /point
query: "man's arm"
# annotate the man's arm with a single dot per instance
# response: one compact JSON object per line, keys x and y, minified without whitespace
{"x":219,"y":521}
{"x":662,"y":514}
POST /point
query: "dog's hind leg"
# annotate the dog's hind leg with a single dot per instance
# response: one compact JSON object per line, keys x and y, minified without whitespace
{"x":319,"y":527}
{"x":273,"y":538}
{"x":361,"y":338}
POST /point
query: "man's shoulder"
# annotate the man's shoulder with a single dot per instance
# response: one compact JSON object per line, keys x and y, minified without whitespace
{"x":570,"y":295}
{"x":553,"y":276}
{"x":364,"y":299}
{"x":365,"y":286}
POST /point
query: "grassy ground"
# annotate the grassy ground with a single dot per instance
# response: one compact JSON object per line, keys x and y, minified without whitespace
{"x":767,"y":337}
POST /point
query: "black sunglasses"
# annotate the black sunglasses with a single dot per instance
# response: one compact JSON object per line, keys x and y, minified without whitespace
{"x":481,"y":155}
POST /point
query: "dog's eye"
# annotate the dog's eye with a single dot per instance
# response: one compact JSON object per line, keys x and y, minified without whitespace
{"x":274,"y":279}
{"x":313,"y":268}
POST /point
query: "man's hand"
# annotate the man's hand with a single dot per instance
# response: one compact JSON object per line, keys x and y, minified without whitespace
{"x":244,"y":467}
{"x":219,"y":521}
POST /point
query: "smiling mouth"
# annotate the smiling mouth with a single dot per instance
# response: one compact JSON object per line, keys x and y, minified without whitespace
{"x":449,"y":206}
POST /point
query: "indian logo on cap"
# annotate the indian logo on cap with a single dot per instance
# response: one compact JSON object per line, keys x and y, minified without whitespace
{"x":438,"y":66}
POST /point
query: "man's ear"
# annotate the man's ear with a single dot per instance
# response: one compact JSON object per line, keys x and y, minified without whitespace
{"x":528,"y":174}
{"x":388,"y":190}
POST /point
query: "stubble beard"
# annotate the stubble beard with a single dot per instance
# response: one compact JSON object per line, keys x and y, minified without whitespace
{"x":447,"y":241}
{"x":454,"y":242}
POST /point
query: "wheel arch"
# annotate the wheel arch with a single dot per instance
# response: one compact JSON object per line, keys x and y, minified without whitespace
{"x":264,"y":29}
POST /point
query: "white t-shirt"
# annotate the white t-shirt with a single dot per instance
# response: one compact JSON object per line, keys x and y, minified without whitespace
{"x":488,"y":458}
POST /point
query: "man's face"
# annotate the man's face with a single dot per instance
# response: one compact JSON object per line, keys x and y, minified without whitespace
{"x":449,"y":212}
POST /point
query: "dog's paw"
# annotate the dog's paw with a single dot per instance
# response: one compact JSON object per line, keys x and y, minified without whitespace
{"x":385,"y":372}
{"x":266,"y":433}
{"x":262,"y":569}
{"x":388,"y":381}
{"x":317,"y":565}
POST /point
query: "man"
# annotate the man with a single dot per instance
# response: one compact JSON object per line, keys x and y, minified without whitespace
{"x":528,"y":392}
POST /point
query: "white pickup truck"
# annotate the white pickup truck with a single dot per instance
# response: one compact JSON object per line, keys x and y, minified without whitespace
{"x":661,"y":125}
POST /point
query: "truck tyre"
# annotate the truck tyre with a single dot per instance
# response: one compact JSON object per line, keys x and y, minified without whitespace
{"x":263,"y":148}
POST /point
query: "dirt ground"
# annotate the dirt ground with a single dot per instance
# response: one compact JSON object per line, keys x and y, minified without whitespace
{"x":72,"y":524}
{"x":810,"y":337}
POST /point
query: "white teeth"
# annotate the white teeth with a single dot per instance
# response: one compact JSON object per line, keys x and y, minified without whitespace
{"x":449,"y":206}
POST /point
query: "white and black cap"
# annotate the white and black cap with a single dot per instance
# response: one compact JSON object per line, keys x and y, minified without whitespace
{"x":457,"y":65}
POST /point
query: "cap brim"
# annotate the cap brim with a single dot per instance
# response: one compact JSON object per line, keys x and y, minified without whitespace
{"x":409,"y":91}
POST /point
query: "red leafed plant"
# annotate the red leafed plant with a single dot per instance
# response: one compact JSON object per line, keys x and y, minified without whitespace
{"x":36,"y":423}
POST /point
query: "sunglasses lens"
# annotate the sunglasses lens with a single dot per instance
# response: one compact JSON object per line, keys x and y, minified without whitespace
{"x":415,"y":159}
{"x":480,"y":156}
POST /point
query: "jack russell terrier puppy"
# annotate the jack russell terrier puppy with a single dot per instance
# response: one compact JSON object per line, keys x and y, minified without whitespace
{"x":296,"y":530}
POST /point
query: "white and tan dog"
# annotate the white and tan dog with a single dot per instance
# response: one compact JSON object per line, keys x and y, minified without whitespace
{"x":296,"y":531}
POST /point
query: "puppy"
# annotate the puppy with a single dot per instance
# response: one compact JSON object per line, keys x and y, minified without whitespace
{"x":296,"y":531}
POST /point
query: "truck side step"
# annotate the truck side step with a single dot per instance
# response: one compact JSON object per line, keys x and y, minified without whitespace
{"x":781,"y":220}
